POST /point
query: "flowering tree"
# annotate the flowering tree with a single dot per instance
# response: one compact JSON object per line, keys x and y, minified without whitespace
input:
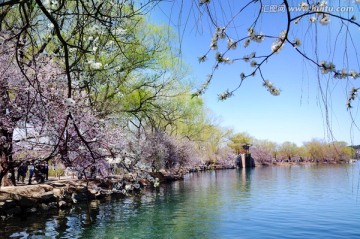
{"x":73,"y":36}
{"x":13,"y":102}
{"x":264,"y":151}
{"x":301,"y":26}
{"x":39,"y":122}
{"x":24,"y":104}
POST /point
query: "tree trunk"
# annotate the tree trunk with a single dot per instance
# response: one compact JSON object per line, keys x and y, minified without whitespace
{"x":6,"y":169}
{"x":6,"y":160}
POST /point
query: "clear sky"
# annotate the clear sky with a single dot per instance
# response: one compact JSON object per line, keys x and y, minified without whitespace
{"x":298,"y":113}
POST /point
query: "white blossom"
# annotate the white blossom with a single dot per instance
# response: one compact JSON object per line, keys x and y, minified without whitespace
{"x":156,"y":182}
{"x":109,"y":43}
{"x":51,"y":4}
{"x":304,"y":6}
{"x":127,"y":161}
{"x":250,"y":31}
{"x":221,"y":59}
{"x":214,"y":45}
{"x":323,"y":4}
{"x":253,"y":64}
{"x":95,"y":65}
{"x":277,"y":46}
{"x":46,"y":3}
{"x":69,"y":102}
{"x":271,"y":88}
{"x":225,"y":95}
{"x":231,"y":44}
{"x":220,"y":31}
{"x":227,"y":60}
{"x":353,"y":74}
{"x":325,"y":19}
{"x":282,"y":34}
{"x":326,"y":67}
{"x":119,"y":31}
{"x":344,"y":73}
{"x":258,"y":38}
{"x":312,"y":19}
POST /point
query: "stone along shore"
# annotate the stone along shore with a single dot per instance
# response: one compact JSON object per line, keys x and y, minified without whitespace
{"x":24,"y":200}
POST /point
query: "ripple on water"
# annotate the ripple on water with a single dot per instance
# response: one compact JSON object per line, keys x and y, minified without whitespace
{"x":273,"y":202}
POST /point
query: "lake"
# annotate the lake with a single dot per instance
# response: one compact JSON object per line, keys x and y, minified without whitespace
{"x":297,"y":201}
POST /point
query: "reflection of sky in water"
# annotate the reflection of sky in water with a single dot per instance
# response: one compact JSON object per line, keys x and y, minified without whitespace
{"x":270,"y":202}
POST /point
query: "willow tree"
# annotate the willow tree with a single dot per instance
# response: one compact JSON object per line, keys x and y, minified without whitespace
{"x":287,"y":151}
{"x":237,"y":141}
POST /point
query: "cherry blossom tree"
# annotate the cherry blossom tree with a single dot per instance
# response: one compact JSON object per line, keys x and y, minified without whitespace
{"x":264,"y":151}
{"x":70,"y":35}
{"x":24,"y":100}
{"x":13,"y":102}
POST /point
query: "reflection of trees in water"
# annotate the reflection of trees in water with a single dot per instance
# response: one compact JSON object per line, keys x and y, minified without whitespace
{"x":147,"y":214}
{"x":61,"y":224}
{"x":73,"y":222}
{"x":191,"y":208}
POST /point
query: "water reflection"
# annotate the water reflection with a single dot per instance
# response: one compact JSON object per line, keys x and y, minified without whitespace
{"x":62,"y":224}
{"x":270,"y":202}
{"x":245,"y":179}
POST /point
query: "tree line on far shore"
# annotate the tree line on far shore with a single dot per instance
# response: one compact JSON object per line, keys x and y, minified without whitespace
{"x":316,"y":150}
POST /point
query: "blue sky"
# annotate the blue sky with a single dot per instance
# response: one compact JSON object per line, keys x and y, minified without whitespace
{"x":298,"y":113}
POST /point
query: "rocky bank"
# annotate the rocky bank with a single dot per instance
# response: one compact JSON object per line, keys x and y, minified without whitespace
{"x":24,"y":200}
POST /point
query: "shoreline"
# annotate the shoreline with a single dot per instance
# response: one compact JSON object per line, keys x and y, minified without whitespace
{"x":57,"y":194}
{"x":24,"y":200}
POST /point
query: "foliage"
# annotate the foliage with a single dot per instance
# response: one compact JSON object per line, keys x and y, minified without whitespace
{"x":264,"y":151}
{"x":238,"y":140}
{"x":313,"y":151}
{"x":287,"y":151}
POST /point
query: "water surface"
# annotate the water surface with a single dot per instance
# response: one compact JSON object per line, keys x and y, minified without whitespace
{"x":300,"y":201}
